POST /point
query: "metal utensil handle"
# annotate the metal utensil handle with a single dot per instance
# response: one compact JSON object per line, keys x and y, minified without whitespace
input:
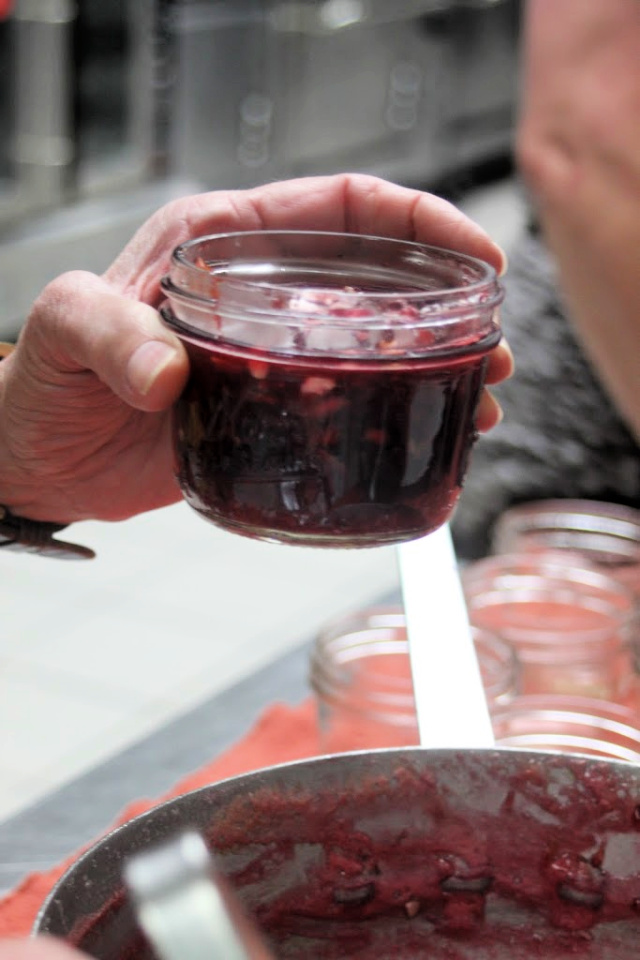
{"x":181,"y":905}
{"x":451,"y":705}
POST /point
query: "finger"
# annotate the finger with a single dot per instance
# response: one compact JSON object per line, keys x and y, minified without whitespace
{"x":344,"y":202}
{"x":79,"y":323}
{"x":501,"y":364}
{"x":489,"y":413}
{"x":382,"y":208}
{"x":357,"y":203}
{"x":39,"y":948}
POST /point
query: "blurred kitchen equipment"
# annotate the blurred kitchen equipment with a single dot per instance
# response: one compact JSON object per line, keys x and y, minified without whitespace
{"x":78,"y":101}
{"x":571,"y":625}
{"x":450,"y":700}
{"x":109,"y":110}
{"x":84,"y":109}
{"x":407,"y":853}
{"x":186,"y":909}
{"x":414,"y":90}
{"x":360,"y":672}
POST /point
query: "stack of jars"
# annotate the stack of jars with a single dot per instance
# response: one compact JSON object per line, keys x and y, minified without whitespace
{"x":555,"y":619}
{"x":563,"y":588}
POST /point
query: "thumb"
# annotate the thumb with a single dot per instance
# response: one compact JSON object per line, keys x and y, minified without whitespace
{"x":80,"y":323}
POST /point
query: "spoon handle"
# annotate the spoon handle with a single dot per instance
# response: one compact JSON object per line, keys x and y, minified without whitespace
{"x":450,"y":700}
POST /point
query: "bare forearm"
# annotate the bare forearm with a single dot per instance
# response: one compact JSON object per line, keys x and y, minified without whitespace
{"x":579,"y":150}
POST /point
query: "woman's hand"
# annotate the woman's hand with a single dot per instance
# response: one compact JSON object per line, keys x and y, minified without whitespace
{"x":85,"y":398}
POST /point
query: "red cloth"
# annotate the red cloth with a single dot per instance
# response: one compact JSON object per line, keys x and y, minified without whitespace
{"x":6,"y":6}
{"x":281,"y":734}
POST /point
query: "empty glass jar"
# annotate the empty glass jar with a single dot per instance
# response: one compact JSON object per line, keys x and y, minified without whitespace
{"x":570,"y":625}
{"x":361,"y":675}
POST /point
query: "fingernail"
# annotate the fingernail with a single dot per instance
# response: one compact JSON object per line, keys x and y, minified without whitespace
{"x":147,"y":363}
{"x":505,"y":264}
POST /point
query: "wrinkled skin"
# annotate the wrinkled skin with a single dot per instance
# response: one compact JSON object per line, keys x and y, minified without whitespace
{"x":86,"y":395}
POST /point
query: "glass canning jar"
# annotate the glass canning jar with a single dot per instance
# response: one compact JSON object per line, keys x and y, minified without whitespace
{"x":569,"y":624}
{"x":361,"y":675}
{"x":562,"y":724}
{"x":334,"y":382}
{"x":607,"y":535}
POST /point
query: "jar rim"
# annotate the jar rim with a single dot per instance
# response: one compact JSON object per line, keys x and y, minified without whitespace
{"x":507,"y":570}
{"x":587,"y":526}
{"x":199,"y":285}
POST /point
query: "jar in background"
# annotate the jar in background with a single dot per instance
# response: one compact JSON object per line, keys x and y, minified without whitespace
{"x":334,"y":382}
{"x":607,"y":535}
{"x":570,"y":625}
{"x":361,"y":676}
{"x":560,"y":724}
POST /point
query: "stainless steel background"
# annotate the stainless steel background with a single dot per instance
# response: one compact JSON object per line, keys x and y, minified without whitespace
{"x":109,"y":110}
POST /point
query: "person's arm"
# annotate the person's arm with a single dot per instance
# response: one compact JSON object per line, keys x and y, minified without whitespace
{"x":579,"y":151}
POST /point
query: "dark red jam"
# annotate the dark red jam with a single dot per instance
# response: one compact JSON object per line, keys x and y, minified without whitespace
{"x":336,"y":452}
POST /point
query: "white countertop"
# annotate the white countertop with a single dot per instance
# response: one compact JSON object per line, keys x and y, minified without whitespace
{"x":96,"y":654}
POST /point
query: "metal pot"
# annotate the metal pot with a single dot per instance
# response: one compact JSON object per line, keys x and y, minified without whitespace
{"x":402,"y":853}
